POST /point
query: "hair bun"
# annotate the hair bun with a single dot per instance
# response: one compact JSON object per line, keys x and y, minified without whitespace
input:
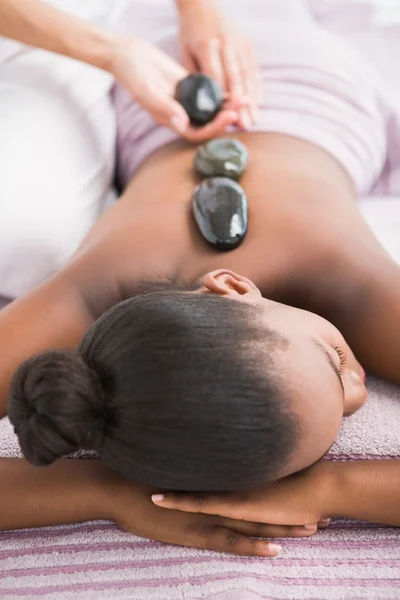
{"x":56,"y":405}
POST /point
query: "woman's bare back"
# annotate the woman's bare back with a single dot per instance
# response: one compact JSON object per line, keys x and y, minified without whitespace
{"x":307,"y":243}
{"x":301,"y":203}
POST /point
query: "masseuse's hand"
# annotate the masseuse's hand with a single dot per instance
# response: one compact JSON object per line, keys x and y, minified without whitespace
{"x":131,"y":507}
{"x":302,"y":499}
{"x":211,"y":45}
{"x":151,"y":77}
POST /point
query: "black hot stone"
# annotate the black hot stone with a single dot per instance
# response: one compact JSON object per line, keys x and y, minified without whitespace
{"x":222,"y":156}
{"x":221,"y":212}
{"x":201,"y":97}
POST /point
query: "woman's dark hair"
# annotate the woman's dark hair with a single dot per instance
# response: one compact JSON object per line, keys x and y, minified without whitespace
{"x":174,"y":389}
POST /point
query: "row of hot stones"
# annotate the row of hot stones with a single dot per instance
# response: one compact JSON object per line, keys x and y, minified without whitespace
{"x":219,"y":203}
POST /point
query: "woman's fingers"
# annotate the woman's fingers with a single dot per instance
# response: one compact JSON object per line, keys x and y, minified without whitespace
{"x":223,"y":539}
{"x":237,"y":507}
{"x":211,"y":504}
{"x":270,"y":531}
{"x":240,"y":537}
{"x":324,"y":524}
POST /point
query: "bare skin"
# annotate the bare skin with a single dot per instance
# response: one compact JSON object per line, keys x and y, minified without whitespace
{"x":307,"y":246}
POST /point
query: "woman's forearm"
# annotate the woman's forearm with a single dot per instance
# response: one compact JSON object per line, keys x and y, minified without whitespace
{"x":68,"y":491}
{"x":34,"y":23}
{"x":368,"y":490}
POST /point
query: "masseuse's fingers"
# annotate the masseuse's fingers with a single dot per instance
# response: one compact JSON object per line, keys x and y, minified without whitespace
{"x":188,"y":61}
{"x":168,"y":112}
{"x":246,"y":112}
{"x":209,"y":59}
{"x":238,"y":81}
{"x":251,"y":79}
{"x":255,"y":74}
{"x":231,"y":66}
{"x":249,"y":85}
{"x":164,"y":109}
{"x":217,"y":127}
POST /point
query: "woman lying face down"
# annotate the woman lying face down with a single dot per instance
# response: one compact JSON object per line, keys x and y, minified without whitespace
{"x":211,"y":387}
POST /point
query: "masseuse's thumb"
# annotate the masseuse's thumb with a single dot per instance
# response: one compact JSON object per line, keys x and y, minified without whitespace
{"x":166,"y":111}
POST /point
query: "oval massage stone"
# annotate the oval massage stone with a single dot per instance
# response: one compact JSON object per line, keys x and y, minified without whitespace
{"x":201,"y":97}
{"x":220,"y":209}
{"x":222,"y":156}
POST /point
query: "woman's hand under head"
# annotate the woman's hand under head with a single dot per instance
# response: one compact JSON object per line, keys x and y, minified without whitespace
{"x":304,"y":499}
{"x":129,"y":505}
{"x":366,"y":490}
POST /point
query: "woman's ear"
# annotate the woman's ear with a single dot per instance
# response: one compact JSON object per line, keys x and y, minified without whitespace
{"x":355,"y":393}
{"x":228,"y":283}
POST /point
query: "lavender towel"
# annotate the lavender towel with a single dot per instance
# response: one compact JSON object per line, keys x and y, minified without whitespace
{"x":351,"y":561}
